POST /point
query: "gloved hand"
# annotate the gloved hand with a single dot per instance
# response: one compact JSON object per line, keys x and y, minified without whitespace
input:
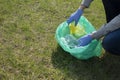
{"x":75,"y":16}
{"x":85,"y":40}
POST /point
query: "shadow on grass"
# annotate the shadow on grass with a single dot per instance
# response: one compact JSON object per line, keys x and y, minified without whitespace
{"x":107,"y":68}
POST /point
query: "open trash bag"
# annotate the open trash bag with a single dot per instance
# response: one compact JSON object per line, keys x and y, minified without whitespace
{"x":67,"y":36}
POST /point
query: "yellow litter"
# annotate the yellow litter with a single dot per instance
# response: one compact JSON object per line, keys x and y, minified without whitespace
{"x":77,"y":31}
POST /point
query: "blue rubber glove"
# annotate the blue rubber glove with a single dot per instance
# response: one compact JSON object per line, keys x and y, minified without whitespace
{"x":75,"y":17}
{"x":85,"y":40}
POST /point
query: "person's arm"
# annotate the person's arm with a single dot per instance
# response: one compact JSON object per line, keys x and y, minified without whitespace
{"x":86,"y":3}
{"x":109,"y":27}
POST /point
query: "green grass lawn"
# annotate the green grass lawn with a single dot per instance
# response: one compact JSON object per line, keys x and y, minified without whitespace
{"x":29,"y":51}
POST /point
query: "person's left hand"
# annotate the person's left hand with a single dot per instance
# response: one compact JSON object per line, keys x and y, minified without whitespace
{"x":85,"y":40}
{"x":75,"y":16}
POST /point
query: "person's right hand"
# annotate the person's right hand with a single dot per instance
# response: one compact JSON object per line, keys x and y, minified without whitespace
{"x":75,"y":17}
{"x":85,"y":40}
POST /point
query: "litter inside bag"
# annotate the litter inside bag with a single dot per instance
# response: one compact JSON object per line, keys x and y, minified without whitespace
{"x":67,"y":36}
{"x":70,"y":40}
{"x":77,"y":31}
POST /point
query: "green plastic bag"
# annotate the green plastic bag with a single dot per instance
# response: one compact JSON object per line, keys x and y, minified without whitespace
{"x":69,"y":42}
